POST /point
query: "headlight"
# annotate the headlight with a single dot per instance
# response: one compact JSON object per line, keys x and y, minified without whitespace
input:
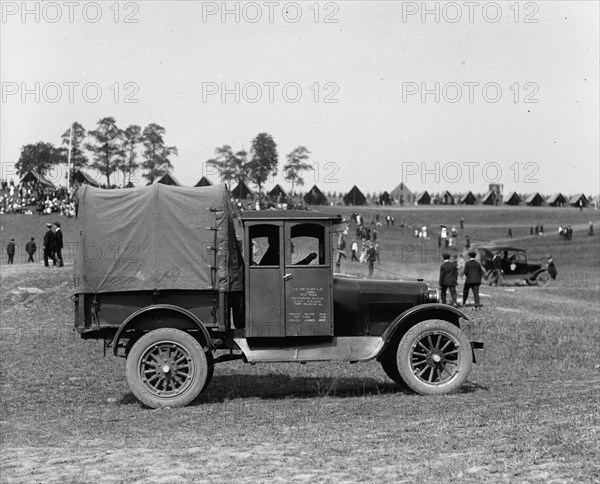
{"x":433,"y":295}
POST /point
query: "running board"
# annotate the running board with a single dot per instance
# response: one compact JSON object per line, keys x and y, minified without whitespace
{"x":343,"y":348}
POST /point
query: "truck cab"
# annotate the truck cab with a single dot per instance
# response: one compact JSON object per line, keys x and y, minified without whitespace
{"x":257,"y":287}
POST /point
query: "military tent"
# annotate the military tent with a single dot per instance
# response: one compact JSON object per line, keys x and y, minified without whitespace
{"x":490,"y":198}
{"x":447,"y":198}
{"x":596,"y":202}
{"x":534,"y":200}
{"x":468,"y":199}
{"x":403,"y":194}
{"x":242,"y":192}
{"x":512,"y":199}
{"x":203,"y":182}
{"x":354,"y":197}
{"x":278,"y":194}
{"x":168,"y":179}
{"x":424,"y":198}
{"x":37,"y":178}
{"x":83,"y":178}
{"x":557,"y":200}
{"x":385,"y":199}
{"x":315,"y":197}
{"x":579,"y":200}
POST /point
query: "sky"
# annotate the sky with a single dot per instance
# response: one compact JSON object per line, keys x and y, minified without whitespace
{"x":438,"y":95}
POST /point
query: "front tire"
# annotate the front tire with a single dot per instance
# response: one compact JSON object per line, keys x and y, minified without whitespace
{"x":543,"y":279}
{"x":434,"y":357}
{"x":167,"y":368}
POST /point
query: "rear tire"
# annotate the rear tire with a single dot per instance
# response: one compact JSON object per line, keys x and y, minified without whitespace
{"x":167,"y":368}
{"x":434,"y":357}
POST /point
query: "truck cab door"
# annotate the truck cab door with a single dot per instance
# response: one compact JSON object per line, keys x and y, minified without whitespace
{"x":263,"y":249}
{"x":308,"y":279}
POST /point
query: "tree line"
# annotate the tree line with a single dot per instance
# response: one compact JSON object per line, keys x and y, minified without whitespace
{"x":260,"y":164}
{"x":108,"y":148}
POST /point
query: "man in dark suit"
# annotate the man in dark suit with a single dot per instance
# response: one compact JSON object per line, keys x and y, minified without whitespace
{"x":448,"y":279}
{"x":473,"y":273}
{"x":58,"y":244}
{"x":30,"y":248}
{"x":49,"y":241}
{"x":10,"y":251}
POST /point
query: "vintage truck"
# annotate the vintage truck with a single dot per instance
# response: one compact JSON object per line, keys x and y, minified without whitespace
{"x":175,"y":281}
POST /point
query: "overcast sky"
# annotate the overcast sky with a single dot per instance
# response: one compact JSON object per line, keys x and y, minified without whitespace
{"x":379,"y":92}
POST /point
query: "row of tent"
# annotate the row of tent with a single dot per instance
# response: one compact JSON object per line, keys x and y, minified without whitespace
{"x":400,"y":194}
{"x":355,"y":197}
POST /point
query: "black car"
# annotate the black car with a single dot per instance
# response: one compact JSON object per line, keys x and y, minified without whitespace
{"x":513,"y":265}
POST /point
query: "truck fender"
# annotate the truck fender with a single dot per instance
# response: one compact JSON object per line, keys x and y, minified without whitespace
{"x":414,"y":315}
{"x":140,"y":315}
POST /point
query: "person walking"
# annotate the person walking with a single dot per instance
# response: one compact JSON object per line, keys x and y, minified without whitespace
{"x":31,"y":248}
{"x":448,"y":279}
{"x":58,"y":244}
{"x":49,"y":241}
{"x":473,"y":274}
{"x":10,"y":251}
{"x":496,"y":270}
{"x":591,"y":229}
{"x":353,"y":249}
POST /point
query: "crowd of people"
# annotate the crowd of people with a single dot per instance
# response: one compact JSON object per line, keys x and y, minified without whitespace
{"x":32,"y":197}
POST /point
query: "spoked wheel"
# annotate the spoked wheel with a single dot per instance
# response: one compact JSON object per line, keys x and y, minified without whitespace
{"x":167,"y":367}
{"x":434,"y":357}
{"x":543,"y":279}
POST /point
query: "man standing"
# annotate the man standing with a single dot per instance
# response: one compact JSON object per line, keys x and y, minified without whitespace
{"x":371,"y":258}
{"x":49,"y":245}
{"x":473,"y":273}
{"x":30,"y":248}
{"x":10,"y":251}
{"x":58,"y":244}
{"x":354,"y":248}
{"x":551,"y":267}
{"x":497,"y":270}
{"x":448,"y":279}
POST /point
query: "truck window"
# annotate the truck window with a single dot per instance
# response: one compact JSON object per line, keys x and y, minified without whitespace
{"x":264,"y":243}
{"x":307,"y":245}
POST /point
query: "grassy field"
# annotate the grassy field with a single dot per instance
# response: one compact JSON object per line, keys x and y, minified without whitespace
{"x":529,"y":413}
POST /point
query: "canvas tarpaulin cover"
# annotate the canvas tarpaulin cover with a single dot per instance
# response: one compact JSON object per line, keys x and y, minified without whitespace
{"x":156,"y":238}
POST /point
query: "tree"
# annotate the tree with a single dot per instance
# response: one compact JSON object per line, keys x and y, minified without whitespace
{"x":78,"y":157}
{"x":296,"y":164}
{"x":264,"y":160}
{"x":39,"y":157}
{"x":230,"y":166}
{"x":106,"y":147}
{"x":156,"y":154}
{"x":132,"y":137}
